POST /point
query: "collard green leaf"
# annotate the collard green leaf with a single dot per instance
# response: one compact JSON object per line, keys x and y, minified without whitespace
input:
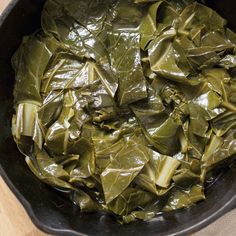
{"x":161,"y":131}
{"x":149,"y":25}
{"x":69,"y":162}
{"x":223,"y":123}
{"x":194,"y":144}
{"x":84,"y":201}
{"x":150,"y":106}
{"x":125,"y":62}
{"x":222,"y":83}
{"x":126,"y":14}
{"x":168,"y":13}
{"x":162,"y":58}
{"x":184,"y":198}
{"x":186,"y":178}
{"x":91,"y":14}
{"x":153,"y":172}
{"x":58,"y":78}
{"x":165,"y":59}
{"x":49,"y":179}
{"x":230,"y":35}
{"x":219,"y":149}
{"x":209,"y":39}
{"x":182,"y":59}
{"x":123,"y":170}
{"x":84,"y":36}
{"x":147,"y":183}
{"x":216,"y":40}
{"x":68,"y":72}
{"x":70,"y":24}
{"x":51,"y":107}
{"x":86,"y":164}
{"x":196,"y":14}
{"x":57,"y":135}
{"x":101,"y":139}
{"x":203,"y":57}
{"x":218,"y":78}
{"x":29,"y":63}
{"x":79,"y":197}
{"x":130,"y":200}
{"x":48,"y":167}
{"x":103,"y":157}
{"x":203,"y":109}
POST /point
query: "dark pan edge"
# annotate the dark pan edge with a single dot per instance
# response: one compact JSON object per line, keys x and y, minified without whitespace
{"x":28,"y":208}
{"x":230,"y":205}
{"x":7,"y":10}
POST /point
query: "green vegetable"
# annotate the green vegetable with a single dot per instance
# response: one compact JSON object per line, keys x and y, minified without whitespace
{"x":184,"y":198}
{"x":30,"y":62}
{"x":127,"y":106}
{"x":126,"y":63}
{"x":124,"y":167}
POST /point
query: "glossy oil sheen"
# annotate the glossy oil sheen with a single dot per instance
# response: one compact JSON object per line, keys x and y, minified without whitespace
{"x":52,"y":212}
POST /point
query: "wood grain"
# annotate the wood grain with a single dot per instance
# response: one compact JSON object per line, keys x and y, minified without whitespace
{"x":3,"y":4}
{"x":14,"y":220}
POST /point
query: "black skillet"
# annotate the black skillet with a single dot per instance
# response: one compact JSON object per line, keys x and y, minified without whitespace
{"x":53,"y":213}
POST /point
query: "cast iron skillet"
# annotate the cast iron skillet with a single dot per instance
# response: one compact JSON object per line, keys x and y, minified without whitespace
{"x":53,"y":213}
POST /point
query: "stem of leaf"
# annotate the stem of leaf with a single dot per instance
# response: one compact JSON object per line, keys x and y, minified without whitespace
{"x":183,"y":32}
{"x":229,"y":106}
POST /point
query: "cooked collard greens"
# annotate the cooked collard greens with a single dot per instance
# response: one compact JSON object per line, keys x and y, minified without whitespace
{"x":128,"y":105}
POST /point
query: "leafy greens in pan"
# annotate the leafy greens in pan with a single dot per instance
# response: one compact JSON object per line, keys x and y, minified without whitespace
{"x":127,"y":105}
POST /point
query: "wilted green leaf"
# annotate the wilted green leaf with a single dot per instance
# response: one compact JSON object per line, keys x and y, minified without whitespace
{"x":126,"y":63}
{"x":184,"y":198}
{"x":123,"y":170}
{"x":29,"y":63}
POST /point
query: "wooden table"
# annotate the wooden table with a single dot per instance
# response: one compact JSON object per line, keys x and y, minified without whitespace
{"x":3,"y":4}
{"x":14,"y":221}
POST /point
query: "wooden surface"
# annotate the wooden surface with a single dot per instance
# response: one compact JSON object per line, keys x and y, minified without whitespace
{"x":3,"y":4}
{"x":14,"y":221}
